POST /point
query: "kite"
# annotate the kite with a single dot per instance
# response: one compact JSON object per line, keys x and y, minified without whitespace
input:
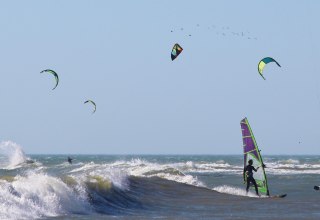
{"x":176,"y":50}
{"x":55,"y":76}
{"x":92,"y":102}
{"x":263,"y":63}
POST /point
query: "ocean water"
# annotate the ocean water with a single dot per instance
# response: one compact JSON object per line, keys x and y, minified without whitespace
{"x":152,"y":187}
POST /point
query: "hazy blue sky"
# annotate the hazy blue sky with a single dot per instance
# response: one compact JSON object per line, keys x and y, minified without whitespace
{"x":117,"y":53}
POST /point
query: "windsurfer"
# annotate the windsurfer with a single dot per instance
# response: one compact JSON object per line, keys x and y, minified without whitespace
{"x":248,"y":176}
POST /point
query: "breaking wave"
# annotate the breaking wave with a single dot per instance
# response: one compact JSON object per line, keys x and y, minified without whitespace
{"x":37,"y":195}
{"x":141,"y":168}
{"x":12,"y":156}
{"x":116,"y":187}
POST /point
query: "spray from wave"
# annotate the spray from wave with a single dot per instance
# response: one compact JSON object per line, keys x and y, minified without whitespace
{"x":233,"y":191}
{"x":11,"y":155}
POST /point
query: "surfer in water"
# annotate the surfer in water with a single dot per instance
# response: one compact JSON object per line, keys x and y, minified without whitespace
{"x":70,"y":160}
{"x":248,"y":176}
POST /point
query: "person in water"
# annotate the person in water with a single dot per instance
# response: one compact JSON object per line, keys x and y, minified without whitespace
{"x":70,"y":160}
{"x":248,"y":176}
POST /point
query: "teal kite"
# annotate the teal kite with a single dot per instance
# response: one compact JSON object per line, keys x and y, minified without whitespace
{"x":263,"y":63}
{"x":94,"y":104}
{"x":55,"y":76}
{"x":176,"y":50}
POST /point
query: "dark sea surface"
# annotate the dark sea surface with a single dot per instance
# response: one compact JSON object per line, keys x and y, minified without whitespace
{"x":153,"y":186}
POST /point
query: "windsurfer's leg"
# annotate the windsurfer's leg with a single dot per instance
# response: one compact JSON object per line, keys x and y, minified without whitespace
{"x":255,"y":186}
{"x":248,"y":184}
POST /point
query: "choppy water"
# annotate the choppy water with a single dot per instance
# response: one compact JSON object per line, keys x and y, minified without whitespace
{"x":155,"y":186}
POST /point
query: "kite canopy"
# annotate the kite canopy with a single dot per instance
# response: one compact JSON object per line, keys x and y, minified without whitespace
{"x":55,"y":76}
{"x":94,"y":104}
{"x":176,"y":50}
{"x":263,"y":63}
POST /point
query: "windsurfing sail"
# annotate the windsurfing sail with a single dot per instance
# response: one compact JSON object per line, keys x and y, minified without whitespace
{"x":251,"y":151}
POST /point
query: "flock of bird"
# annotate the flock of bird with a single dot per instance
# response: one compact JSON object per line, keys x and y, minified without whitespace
{"x":223,"y":31}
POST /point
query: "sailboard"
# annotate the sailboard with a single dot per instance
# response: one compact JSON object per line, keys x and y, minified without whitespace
{"x":252,"y":152}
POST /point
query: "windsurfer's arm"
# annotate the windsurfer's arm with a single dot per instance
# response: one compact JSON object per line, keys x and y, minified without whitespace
{"x":264,"y":166}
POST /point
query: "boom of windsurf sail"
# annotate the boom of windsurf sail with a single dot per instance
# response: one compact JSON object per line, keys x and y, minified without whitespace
{"x":251,"y":151}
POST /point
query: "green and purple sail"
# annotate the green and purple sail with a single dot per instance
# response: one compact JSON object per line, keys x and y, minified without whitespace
{"x":251,"y":151}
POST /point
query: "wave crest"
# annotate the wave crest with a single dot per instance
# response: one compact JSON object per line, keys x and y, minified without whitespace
{"x":12,"y":155}
{"x":37,"y":195}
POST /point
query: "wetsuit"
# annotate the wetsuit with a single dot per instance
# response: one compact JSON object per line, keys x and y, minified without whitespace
{"x":248,"y":171}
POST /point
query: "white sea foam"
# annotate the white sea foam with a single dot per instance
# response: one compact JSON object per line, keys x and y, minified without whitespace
{"x":167,"y":171}
{"x":85,"y":167}
{"x":119,"y":170}
{"x":37,"y":195}
{"x":12,"y":155}
{"x":117,"y":177}
{"x":290,"y":161}
{"x":183,"y":172}
{"x":234,"y":191}
{"x":290,"y":166}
